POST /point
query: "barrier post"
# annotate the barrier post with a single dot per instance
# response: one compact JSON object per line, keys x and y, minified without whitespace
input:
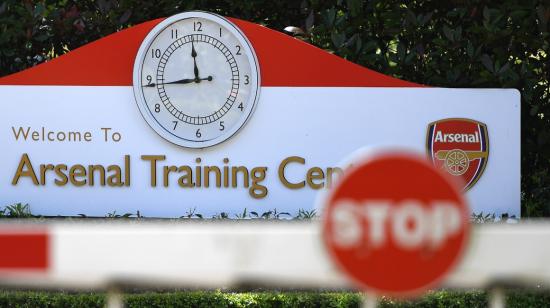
{"x":497,"y":298}
{"x":370,"y":300}
{"x":114,"y":298}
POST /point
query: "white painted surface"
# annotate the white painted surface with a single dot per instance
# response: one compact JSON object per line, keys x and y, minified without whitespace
{"x":286,"y":254}
{"x":323,"y":125}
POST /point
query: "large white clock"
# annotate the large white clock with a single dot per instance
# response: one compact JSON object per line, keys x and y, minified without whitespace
{"x":196,"y":79}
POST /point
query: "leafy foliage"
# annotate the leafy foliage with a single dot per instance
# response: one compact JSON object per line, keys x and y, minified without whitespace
{"x":17,"y":210}
{"x":192,"y":214}
{"x":444,"y":299}
{"x":113,"y":214}
{"x":20,"y":210}
{"x":249,"y":299}
{"x":438,"y":43}
{"x":263,"y":299}
{"x":271,"y":214}
{"x":306,"y":215}
{"x":46,"y":299}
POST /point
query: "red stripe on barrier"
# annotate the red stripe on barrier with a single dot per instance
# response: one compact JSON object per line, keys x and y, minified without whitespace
{"x":284,"y":62}
{"x":24,"y":251}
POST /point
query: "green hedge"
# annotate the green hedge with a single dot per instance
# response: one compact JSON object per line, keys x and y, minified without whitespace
{"x":453,"y":43}
{"x":46,"y":299}
{"x":263,"y":299}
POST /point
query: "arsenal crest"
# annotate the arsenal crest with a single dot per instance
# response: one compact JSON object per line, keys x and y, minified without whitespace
{"x":460,"y":147}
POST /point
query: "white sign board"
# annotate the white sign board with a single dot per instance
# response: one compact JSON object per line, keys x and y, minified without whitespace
{"x":74,"y":140}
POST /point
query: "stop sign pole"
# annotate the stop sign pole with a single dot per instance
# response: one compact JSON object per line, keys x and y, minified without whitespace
{"x":395,"y":225}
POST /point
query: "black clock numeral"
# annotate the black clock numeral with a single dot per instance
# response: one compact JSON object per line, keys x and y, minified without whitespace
{"x":149,"y":79}
{"x":238,"y":50}
{"x":155,"y":53}
{"x":198,"y":133}
{"x":241,"y":106}
{"x":197,"y":26}
{"x":175,"y":124}
{"x":222,"y":127}
{"x":157,"y":108}
{"x":174,"y":33}
{"x":246,"y":79}
{"x":220,"y":32}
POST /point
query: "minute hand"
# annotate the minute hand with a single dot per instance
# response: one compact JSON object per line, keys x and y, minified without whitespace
{"x":181,"y":81}
{"x":195,"y":68}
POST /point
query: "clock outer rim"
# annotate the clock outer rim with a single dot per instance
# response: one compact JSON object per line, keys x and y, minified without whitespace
{"x":142,"y":104}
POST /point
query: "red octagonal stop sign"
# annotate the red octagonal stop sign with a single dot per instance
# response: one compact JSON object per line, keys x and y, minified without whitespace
{"x":395,"y":224}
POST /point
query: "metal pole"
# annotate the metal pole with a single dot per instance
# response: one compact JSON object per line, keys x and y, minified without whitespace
{"x":497,"y":298}
{"x":370,"y":300}
{"x":114,"y":299}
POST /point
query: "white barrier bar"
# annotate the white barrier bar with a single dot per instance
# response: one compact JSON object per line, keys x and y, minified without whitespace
{"x":96,"y":255}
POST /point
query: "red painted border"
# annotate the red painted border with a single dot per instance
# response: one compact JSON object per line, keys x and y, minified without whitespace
{"x":284,"y":62}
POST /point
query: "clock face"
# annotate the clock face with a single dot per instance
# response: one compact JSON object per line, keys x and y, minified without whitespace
{"x":196,"y":79}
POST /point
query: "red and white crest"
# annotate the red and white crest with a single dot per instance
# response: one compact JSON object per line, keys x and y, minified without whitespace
{"x":459,"y":146}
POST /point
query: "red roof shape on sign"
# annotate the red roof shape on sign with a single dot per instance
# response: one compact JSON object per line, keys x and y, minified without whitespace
{"x":284,"y":62}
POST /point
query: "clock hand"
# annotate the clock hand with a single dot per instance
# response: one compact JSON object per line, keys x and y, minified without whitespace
{"x":181,"y":81}
{"x":194,"y":55}
{"x":184,"y":81}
